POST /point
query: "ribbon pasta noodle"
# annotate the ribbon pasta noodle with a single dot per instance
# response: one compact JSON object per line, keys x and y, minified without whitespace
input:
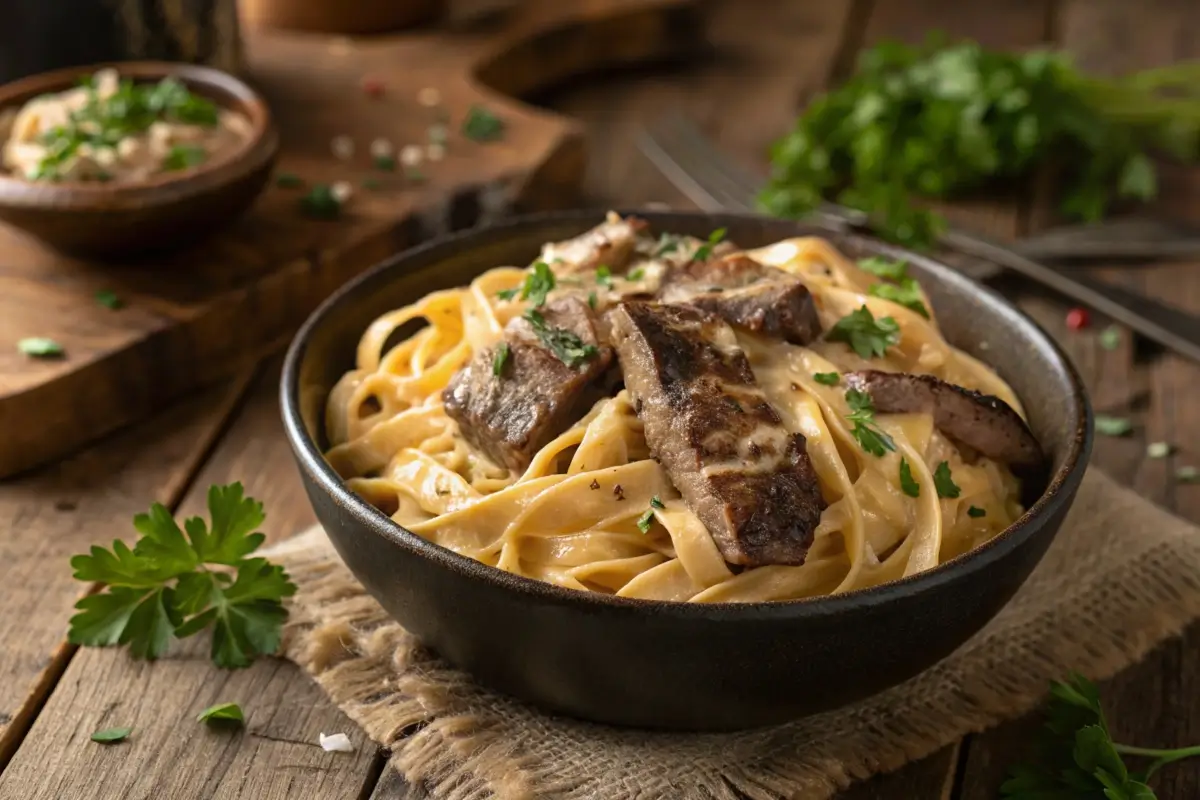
{"x":572,"y":517}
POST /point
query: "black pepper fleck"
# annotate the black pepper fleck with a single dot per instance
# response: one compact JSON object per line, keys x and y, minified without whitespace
{"x":65,"y":505}
{"x":595,"y":484}
{"x":619,"y":492}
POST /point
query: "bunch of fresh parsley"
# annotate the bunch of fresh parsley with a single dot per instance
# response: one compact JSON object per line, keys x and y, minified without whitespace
{"x":174,"y":583}
{"x":937,"y":120}
{"x":1076,"y":758}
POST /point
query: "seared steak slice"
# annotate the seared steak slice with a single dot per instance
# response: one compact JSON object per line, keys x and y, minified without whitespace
{"x":982,"y":422}
{"x":611,"y":243}
{"x":537,"y":394}
{"x":748,"y":294}
{"x":721,"y":442}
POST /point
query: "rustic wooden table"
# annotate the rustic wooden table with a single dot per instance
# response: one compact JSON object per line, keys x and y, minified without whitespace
{"x":770,"y":57}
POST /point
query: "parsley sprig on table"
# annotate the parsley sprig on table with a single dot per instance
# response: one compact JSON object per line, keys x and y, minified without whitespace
{"x":1076,"y":758}
{"x":939,"y":120}
{"x":174,"y":583}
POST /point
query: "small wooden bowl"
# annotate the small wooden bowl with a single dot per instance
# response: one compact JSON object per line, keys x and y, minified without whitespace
{"x":168,"y":211}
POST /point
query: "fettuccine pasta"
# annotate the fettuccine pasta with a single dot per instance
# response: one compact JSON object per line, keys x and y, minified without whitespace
{"x":594,"y":511}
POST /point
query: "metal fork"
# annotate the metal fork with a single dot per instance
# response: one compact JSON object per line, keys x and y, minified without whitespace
{"x":715,"y":182}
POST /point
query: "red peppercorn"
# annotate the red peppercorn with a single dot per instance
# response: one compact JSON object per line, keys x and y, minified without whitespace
{"x":1078,"y":318}
{"x":372,"y":87}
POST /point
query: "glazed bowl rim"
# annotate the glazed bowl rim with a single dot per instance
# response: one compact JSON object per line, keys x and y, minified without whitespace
{"x":233,"y":94}
{"x":1060,"y":487}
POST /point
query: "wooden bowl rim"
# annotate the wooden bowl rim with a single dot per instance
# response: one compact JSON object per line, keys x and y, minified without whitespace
{"x":1037,"y":519}
{"x":228,"y":91}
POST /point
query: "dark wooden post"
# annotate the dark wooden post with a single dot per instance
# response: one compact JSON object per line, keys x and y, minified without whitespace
{"x":37,"y":35}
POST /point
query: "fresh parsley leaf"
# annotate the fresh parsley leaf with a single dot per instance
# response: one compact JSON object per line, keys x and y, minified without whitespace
{"x":222,"y":712}
{"x":907,"y":484}
{"x":108,"y":299}
{"x":174,"y":582}
{"x":321,"y":203}
{"x":862,"y":413}
{"x":1112,"y":426}
{"x":943,"y":481}
{"x":635,"y":274}
{"x":111,"y":735}
{"x":907,"y":293}
{"x":184,"y":156}
{"x":976,"y":512}
{"x":647,"y":518}
{"x":566,"y":346}
{"x":667,"y":244}
{"x":500,"y":358}
{"x":538,"y":284}
{"x":705,"y":250}
{"x":1110,"y":338}
{"x":827,"y":378}
{"x":384,"y":163}
{"x":604,"y":276}
{"x":288,"y":180}
{"x":886,"y":268}
{"x":40,"y":347}
{"x":867,"y":336}
{"x":481,"y":125}
{"x":591,"y":300}
{"x":508,"y":294}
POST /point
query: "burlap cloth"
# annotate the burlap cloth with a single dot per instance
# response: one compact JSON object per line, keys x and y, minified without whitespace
{"x":1121,"y":577}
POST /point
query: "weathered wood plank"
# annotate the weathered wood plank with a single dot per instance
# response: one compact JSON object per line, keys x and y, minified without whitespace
{"x":169,"y":753}
{"x":52,"y":514}
{"x":1153,"y":703}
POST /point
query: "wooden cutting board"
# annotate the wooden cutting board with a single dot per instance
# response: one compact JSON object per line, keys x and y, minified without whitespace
{"x":189,"y":318}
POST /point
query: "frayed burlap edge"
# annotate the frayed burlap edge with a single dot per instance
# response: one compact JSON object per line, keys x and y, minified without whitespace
{"x":1121,"y":577}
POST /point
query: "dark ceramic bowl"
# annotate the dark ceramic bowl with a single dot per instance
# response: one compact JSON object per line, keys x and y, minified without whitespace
{"x":104,"y":220}
{"x":678,"y":665}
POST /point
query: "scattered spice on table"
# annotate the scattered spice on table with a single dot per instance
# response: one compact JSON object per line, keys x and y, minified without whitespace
{"x":108,"y":299}
{"x":372,"y":184}
{"x":1187,"y":474}
{"x":1110,"y":338}
{"x":481,"y":125}
{"x":373,"y":86}
{"x":435,"y":151}
{"x":288,"y":180}
{"x":1112,"y":426}
{"x":342,"y":148}
{"x":429,"y":97}
{"x":1158,"y":450}
{"x":40,"y":347}
{"x":336,"y":743}
{"x":1077,"y":319}
{"x":438,"y":133}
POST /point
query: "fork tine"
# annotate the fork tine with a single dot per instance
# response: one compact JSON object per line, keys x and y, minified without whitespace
{"x":694,"y":166}
{"x":738,"y":178}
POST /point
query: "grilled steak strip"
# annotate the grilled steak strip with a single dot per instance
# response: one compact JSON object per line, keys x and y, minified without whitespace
{"x":982,"y":422}
{"x":746,"y":477}
{"x":611,"y":243}
{"x":536,"y":396}
{"x":748,"y":294}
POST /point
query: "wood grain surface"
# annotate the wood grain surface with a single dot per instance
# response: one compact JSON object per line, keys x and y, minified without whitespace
{"x":200,"y":314}
{"x":769,"y":57}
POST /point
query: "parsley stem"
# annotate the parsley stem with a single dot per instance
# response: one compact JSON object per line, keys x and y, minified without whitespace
{"x":1161,"y":757}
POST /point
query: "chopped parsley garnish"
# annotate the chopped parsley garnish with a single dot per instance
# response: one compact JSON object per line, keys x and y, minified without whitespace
{"x":385,"y":163}
{"x":165,"y":587}
{"x":108,"y":299}
{"x":184,"y":156}
{"x":481,"y":125}
{"x":907,"y":293}
{"x":647,"y":518}
{"x":867,"y":336}
{"x":667,"y":243}
{"x":321,"y":203}
{"x":566,"y":346}
{"x":943,"y":481}
{"x":111,"y":735}
{"x":1110,"y":337}
{"x":705,"y":250}
{"x":862,"y":414}
{"x":909,"y":486}
{"x":40,"y":347}
{"x":131,"y":110}
{"x":604,"y":276}
{"x":1112,"y":426}
{"x":591,"y":299}
{"x":500,"y":359}
{"x":222,"y":712}
{"x":827,"y":378}
{"x":976,"y":512}
{"x":288,"y":180}
{"x":636,"y":274}
{"x":885,"y":268}
{"x":537,"y":284}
